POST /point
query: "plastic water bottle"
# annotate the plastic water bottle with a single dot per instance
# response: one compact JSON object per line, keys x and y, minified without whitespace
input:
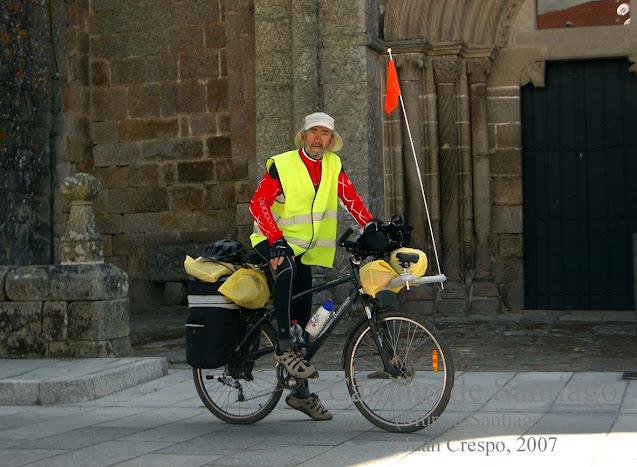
{"x":296,"y":331}
{"x":317,"y":322}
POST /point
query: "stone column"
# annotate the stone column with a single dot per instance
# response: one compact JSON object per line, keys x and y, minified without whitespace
{"x":82,"y":242}
{"x":486,"y":295}
{"x":394,"y":166}
{"x":478,"y":70}
{"x":446,"y":70}
{"x":411,"y":77}
{"x":432,"y":172}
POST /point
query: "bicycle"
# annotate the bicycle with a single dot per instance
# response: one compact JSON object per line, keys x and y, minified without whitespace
{"x":398,"y":369}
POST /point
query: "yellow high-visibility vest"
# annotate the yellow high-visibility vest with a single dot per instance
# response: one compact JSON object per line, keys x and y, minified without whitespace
{"x":306,"y":217}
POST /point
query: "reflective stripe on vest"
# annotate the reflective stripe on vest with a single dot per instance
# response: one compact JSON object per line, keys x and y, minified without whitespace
{"x":307,"y":217}
{"x":300,"y":242}
{"x":304,"y":218}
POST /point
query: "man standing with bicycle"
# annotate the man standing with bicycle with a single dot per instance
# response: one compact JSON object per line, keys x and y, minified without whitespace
{"x":294,"y":208}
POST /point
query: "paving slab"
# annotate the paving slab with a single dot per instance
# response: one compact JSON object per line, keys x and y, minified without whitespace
{"x":591,"y":392}
{"x":52,"y":381}
{"x":169,"y":460}
{"x":183,"y":430}
{"x":63,"y":424}
{"x":15,"y":457}
{"x":267,"y":455}
{"x":107,"y":453}
{"x":472,"y":390}
{"x":70,"y":440}
{"x":528,"y":392}
{"x":163,"y":422}
{"x":153,"y":418}
{"x":359,"y":453}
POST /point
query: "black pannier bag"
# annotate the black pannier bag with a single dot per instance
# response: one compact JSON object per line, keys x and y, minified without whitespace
{"x":212,"y":326}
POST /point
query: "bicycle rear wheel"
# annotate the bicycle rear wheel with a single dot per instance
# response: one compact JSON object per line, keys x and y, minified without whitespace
{"x":417,"y":395}
{"x":246,"y":390}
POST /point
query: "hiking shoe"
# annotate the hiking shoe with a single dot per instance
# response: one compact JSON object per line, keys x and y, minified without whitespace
{"x":311,"y":406}
{"x":296,"y":365}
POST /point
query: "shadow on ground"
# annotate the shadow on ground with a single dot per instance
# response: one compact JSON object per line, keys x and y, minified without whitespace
{"x":480,"y":346}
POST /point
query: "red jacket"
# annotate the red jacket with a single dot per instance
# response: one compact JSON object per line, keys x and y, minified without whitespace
{"x":270,"y":188}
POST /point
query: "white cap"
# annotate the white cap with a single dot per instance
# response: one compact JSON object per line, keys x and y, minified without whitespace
{"x":320,"y":119}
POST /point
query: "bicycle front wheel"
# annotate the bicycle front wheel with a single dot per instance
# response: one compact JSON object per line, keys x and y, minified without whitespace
{"x":414,"y":397}
{"x":246,"y":390}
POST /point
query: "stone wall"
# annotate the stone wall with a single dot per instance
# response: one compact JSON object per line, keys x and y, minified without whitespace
{"x":172,"y":126}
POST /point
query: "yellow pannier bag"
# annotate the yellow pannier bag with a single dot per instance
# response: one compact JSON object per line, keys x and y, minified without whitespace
{"x":376,"y":275}
{"x":207,"y":270}
{"x":247,"y":288}
{"x":417,"y":269}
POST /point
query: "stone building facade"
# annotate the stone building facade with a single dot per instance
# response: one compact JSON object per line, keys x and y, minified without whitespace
{"x":174,"y":106}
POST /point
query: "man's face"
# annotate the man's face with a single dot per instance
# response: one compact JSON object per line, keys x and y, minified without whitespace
{"x":316,"y":140}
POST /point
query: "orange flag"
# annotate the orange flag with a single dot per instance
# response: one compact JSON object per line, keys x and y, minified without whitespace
{"x":393,"y":88}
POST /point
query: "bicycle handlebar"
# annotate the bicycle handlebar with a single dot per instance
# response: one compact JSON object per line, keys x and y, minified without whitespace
{"x":349,"y":245}
{"x":354,"y":247}
{"x":345,"y":236}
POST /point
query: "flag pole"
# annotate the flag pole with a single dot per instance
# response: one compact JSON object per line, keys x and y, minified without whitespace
{"x":422,"y":188}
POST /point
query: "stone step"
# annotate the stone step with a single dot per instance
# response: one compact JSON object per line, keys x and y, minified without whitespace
{"x":53,"y":381}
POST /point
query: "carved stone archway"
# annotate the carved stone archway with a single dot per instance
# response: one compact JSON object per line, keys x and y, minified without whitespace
{"x":456,"y":41}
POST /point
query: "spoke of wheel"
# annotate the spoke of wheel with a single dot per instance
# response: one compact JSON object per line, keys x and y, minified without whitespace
{"x":429,"y":338}
{"x":384,"y":399}
{"x":411,"y":340}
{"x":256,"y":392}
{"x":393,"y":337}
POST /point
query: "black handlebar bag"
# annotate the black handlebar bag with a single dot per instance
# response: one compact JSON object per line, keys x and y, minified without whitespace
{"x":212,"y":326}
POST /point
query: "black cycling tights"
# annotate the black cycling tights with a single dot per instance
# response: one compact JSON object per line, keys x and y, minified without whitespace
{"x":291,"y":277}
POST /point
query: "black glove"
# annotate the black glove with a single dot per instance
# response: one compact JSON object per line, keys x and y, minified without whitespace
{"x":373,"y":237}
{"x":398,"y":232}
{"x":373,"y":224}
{"x":280,"y":248}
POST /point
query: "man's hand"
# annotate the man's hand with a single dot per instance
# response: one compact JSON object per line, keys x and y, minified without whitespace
{"x":278,"y":251}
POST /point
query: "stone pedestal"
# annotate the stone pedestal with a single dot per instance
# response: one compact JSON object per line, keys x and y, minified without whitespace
{"x":82,"y":242}
{"x":75,"y":309}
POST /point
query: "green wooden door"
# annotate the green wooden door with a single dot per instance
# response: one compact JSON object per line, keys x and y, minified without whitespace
{"x":579,"y":173}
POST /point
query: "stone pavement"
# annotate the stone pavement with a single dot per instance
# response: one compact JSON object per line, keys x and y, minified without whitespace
{"x":525,"y":393}
{"x":494,"y":418}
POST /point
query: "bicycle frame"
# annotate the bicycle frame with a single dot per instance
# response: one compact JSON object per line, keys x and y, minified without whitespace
{"x":334,"y":319}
